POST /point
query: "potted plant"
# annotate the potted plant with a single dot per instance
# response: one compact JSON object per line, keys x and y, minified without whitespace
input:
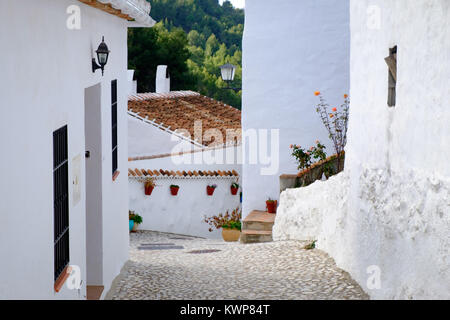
{"x":149,"y":185}
{"x":131,"y":219}
{"x":210,"y":189}
{"x":137,"y":219}
{"x":131,"y":224}
{"x":231,"y":231}
{"x":230,"y":224}
{"x":271,"y":206}
{"x":234,"y":188}
{"x":174,"y":189}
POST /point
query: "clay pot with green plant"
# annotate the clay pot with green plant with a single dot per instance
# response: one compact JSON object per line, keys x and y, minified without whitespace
{"x":174,"y":189}
{"x":234,"y":188}
{"x":271,"y":206}
{"x":230,"y":224}
{"x":210,"y":189}
{"x":131,"y":219}
{"x":149,"y":185}
{"x":137,"y":221}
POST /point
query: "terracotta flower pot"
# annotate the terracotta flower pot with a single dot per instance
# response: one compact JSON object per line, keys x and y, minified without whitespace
{"x":271,"y":206}
{"x":230,"y":234}
{"x":149,"y":190}
{"x":234,"y":190}
{"x":210,"y":190}
{"x":174,"y":191}
{"x":135,"y":226}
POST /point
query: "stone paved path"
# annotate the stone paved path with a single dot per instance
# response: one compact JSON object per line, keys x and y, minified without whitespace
{"x":275,"y":270}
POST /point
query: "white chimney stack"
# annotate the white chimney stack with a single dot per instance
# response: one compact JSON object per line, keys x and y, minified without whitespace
{"x":162,"y":80}
{"x":132,"y":84}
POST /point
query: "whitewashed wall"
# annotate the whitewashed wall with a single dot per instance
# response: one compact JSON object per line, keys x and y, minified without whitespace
{"x":145,"y":140}
{"x":45,"y":68}
{"x":390,"y":208}
{"x":184,"y":213}
{"x":291,"y":48}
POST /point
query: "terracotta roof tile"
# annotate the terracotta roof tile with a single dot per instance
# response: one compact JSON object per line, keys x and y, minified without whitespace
{"x":166,"y":173}
{"x":180,"y":110}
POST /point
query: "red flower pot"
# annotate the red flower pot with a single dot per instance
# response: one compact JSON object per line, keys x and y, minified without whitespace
{"x":174,"y":191}
{"x":210,"y":190}
{"x":234,"y":191}
{"x":271,"y":206}
{"x":148,"y":190}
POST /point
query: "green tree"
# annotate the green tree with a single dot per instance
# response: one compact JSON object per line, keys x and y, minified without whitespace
{"x":194,"y":38}
{"x":150,"y":47}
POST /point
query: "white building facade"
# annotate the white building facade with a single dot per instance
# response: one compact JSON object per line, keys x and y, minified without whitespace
{"x":47,"y":84}
{"x":385,"y":219}
{"x":183,"y":131}
{"x":291,"y":49}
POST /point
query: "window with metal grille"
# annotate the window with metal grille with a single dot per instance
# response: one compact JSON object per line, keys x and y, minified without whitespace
{"x":60,"y":201}
{"x":114,"y":125}
{"x":391,"y":61}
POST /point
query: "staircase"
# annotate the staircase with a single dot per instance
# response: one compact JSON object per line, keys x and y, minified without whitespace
{"x":257,"y":227}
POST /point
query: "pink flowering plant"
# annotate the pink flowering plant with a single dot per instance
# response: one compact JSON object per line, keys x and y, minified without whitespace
{"x":305,"y":158}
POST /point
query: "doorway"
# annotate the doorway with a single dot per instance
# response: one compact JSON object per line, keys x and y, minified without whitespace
{"x":94,"y":219}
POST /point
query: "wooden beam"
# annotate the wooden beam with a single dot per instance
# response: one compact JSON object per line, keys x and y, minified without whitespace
{"x":391,"y":61}
{"x":107,"y":8}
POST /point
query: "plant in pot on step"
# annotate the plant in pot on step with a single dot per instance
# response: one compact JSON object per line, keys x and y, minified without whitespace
{"x":174,"y":189}
{"x":210,"y":189}
{"x":234,"y":188}
{"x":137,"y":221}
{"x":271,"y":206}
{"x":229,"y":222}
{"x":149,"y":185}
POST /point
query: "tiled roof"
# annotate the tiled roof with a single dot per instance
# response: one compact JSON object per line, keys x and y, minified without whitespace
{"x":168,"y":95}
{"x":318,"y":164}
{"x":138,"y":10}
{"x":142,"y":173}
{"x":180,"y":109}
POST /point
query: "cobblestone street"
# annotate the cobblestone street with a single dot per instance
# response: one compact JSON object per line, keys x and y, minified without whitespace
{"x":169,"y":266}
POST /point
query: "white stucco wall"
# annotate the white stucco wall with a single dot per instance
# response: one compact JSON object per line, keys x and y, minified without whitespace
{"x":146,"y":140}
{"x":291,"y":48}
{"x":184,"y":213}
{"x":390,"y":208}
{"x":45,"y":68}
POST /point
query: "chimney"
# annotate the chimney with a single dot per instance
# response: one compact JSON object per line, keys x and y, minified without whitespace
{"x":162,"y":80}
{"x":132,"y":85}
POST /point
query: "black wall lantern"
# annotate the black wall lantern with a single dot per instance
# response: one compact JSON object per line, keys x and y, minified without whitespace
{"x":102,"y":56}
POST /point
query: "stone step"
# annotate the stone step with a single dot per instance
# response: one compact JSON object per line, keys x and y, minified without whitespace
{"x":259,"y":220}
{"x":257,"y":227}
{"x":255,"y":236}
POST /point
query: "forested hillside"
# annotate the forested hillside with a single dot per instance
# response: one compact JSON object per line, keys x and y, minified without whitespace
{"x":194,"y":38}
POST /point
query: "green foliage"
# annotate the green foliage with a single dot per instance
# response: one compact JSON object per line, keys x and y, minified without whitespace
{"x":310,"y":245}
{"x":305,"y":158}
{"x":228,"y":220}
{"x":193,"y":38}
{"x":232,"y":225}
{"x":150,"y":47}
{"x":137,"y":218}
